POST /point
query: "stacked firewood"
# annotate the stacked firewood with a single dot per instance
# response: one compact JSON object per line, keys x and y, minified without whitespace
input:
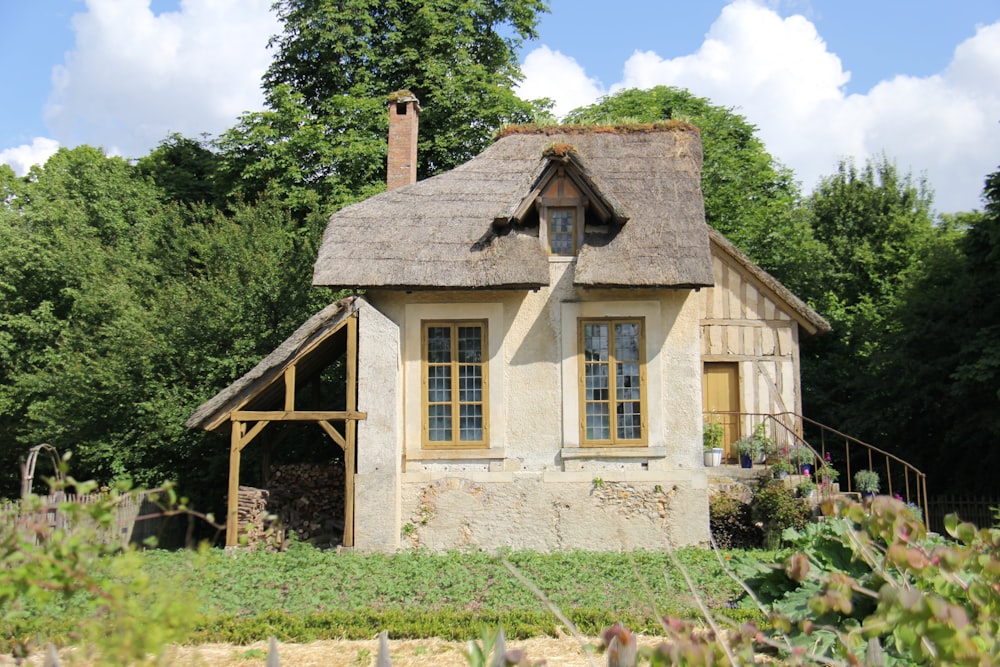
{"x":309,"y":500}
{"x":257,"y":524}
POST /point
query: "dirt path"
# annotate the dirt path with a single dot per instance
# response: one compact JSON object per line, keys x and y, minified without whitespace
{"x":405,"y":653}
{"x":561,"y":652}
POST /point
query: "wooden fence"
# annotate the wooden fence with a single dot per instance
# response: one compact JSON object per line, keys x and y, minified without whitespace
{"x":977,"y":510}
{"x":137,"y":516}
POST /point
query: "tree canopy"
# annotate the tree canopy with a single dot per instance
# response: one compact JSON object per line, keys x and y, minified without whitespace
{"x":336,"y":63}
{"x":121,"y":311}
{"x":878,"y":230}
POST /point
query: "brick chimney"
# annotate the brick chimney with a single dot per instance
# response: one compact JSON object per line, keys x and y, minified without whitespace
{"x":401,"y":167}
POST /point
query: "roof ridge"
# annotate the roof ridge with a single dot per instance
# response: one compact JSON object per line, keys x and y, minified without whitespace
{"x":618,"y":128}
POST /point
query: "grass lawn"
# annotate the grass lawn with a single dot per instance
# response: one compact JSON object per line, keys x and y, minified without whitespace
{"x":306,"y":594}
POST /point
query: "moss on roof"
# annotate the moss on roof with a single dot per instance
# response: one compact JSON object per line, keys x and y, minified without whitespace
{"x":558,"y":149}
{"x":622,"y":128}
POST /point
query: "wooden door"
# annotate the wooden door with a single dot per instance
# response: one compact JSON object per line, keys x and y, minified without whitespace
{"x":720,"y":395}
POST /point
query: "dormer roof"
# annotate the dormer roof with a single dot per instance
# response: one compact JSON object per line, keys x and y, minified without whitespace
{"x":462,"y":229}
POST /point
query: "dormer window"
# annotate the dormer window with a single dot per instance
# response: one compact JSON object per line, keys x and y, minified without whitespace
{"x":562,"y":207}
{"x":562,"y":231}
{"x":565,"y":208}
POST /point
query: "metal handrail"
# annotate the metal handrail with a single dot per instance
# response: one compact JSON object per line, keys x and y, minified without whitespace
{"x":788,"y":428}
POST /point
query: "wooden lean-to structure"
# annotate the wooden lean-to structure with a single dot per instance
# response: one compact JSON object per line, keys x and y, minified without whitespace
{"x":277,"y":391}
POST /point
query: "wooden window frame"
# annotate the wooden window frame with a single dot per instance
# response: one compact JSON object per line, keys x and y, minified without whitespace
{"x":455,"y":442}
{"x":612,"y":401}
{"x":561,"y":192}
{"x":576,"y":212}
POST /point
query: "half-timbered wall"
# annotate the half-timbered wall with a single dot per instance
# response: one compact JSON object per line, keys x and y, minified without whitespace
{"x":745,"y":323}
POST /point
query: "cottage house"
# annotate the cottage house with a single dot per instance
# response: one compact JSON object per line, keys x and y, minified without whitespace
{"x":526,"y":365}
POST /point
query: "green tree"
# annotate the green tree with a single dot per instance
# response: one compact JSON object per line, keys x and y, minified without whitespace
{"x":185,"y":169}
{"x":749,"y":197}
{"x":336,"y":63}
{"x":942,"y":365}
{"x":878,"y":229}
{"x":121,"y":312}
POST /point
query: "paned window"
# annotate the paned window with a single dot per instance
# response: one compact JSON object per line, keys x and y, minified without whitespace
{"x":455,"y":384}
{"x":562,"y":231}
{"x":613,"y":382}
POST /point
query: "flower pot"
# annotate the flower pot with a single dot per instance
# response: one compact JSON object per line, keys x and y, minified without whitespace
{"x":806,"y":469}
{"x":746,"y":461}
{"x":713,"y":457}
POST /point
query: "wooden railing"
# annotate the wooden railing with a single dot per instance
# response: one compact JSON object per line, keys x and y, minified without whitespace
{"x":847,"y":455}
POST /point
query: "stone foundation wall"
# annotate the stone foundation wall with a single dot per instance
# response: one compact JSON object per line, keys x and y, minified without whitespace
{"x":552,"y":511}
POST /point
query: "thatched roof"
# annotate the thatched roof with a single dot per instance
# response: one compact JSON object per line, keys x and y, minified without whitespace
{"x":311,"y":347}
{"x":811,"y":321}
{"x":449,"y":231}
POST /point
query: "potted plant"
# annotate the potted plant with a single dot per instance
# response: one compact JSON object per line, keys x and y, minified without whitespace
{"x":782,"y":468}
{"x":826,"y":476}
{"x":749,"y":448}
{"x":867,"y":483}
{"x":765,"y":445}
{"x":804,"y":459}
{"x":712,"y":435}
{"x":806,"y":489}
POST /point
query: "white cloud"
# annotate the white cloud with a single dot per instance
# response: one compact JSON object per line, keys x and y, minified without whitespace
{"x":779,"y":73}
{"x":21,"y":158}
{"x":551,"y":74}
{"x":134,"y":77}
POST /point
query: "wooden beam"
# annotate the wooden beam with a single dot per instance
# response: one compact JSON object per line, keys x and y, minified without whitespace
{"x":349,"y":465}
{"x":253,"y":433}
{"x":296,"y":416}
{"x":333,"y":433}
{"x":350,"y":448}
{"x":232,"y":502}
{"x":352,"y":363}
{"x":290,"y":388}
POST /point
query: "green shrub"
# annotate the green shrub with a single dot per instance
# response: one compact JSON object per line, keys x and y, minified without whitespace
{"x":731,"y":524}
{"x":774,"y":508}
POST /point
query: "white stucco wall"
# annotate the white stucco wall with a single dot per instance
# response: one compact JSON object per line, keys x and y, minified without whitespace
{"x":534,"y":486}
{"x":377,"y":489}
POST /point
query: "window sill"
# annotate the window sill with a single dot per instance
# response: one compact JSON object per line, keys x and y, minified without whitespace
{"x":613,"y":452}
{"x":479,"y":454}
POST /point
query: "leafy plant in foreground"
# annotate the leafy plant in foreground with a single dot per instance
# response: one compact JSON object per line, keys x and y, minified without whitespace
{"x":863,"y":587}
{"x":876,"y":577}
{"x":122,"y":613}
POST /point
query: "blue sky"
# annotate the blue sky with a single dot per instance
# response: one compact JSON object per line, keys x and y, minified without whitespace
{"x":875,"y":39}
{"x":916,"y":80}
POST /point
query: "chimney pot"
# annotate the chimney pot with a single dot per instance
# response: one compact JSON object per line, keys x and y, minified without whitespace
{"x":401,"y":165}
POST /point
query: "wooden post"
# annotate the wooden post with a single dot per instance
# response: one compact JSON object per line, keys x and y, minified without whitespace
{"x":351,"y":425}
{"x":290,"y":388}
{"x":232,"y":509}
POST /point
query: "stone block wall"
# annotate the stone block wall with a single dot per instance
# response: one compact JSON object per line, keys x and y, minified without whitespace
{"x":553,"y":511}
